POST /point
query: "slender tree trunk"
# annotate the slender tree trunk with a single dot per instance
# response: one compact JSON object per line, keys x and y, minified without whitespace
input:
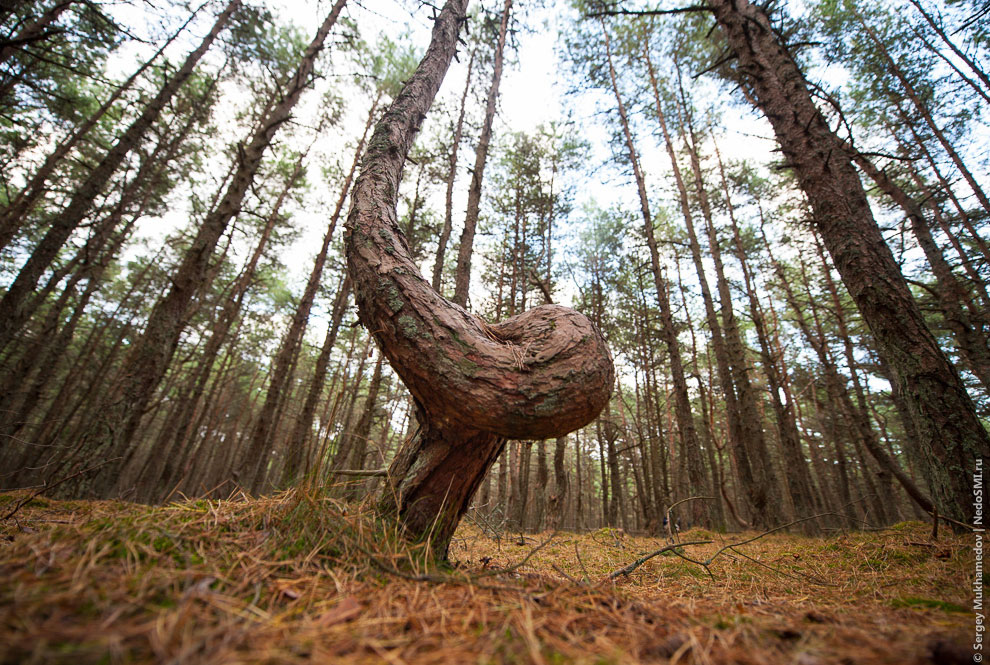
{"x":462,"y":276}
{"x":451,"y":178}
{"x":958,"y":52}
{"x":362,"y":433}
{"x":253,"y":473}
{"x":558,"y":499}
{"x":149,"y":358}
{"x":13,"y":216}
{"x":922,"y":109}
{"x":797,"y":475}
{"x":741,"y":403}
{"x":685,"y":419}
{"x":296,"y":445}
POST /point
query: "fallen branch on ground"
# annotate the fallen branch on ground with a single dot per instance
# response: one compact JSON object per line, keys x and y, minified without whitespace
{"x":639,"y":562}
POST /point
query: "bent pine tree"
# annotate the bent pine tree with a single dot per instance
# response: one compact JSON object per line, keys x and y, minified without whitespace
{"x":540,"y":374}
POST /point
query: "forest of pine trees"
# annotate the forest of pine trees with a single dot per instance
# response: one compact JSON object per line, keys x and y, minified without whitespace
{"x":777,"y":216}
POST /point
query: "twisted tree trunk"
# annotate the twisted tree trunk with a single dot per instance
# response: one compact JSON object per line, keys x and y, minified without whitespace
{"x":540,"y":374}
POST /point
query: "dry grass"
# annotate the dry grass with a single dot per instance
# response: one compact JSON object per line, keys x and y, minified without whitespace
{"x":298,"y":578}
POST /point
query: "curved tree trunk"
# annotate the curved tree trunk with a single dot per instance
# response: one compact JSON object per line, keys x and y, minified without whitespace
{"x":540,"y":374}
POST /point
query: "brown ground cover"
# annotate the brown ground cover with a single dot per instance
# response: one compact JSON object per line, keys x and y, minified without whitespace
{"x":300,"y":578}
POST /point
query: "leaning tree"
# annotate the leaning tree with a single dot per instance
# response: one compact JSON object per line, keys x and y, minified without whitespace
{"x":537,"y":375}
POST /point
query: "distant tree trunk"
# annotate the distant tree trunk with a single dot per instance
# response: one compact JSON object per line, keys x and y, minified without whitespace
{"x":558,"y":499}
{"x":253,"y":468}
{"x":765,"y":494}
{"x":542,"y":478}
{"x":296,"y":444}
{"x":149,"y":358}
{"x":12,"y":305}
{"x":521,"y":487}
{"x":952,"y":437}
{"x":959,"y":53}
{"x":467,"y":377}
{"x":462,"y":276}
{"x":362,"y":433}
{"x":922,"y":109}
{"x":451,"y":178}
{"x":841,"y":402}
{"x":685,"y":418}
{"x":798,"y":479}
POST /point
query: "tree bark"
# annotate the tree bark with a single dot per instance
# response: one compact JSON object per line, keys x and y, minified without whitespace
{"x":540,"y":374}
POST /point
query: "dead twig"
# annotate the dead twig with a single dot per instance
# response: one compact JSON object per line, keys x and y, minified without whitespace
{"x":671,"y":531}
{"x":639,"y":562}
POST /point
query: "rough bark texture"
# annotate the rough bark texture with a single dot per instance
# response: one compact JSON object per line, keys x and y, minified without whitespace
{"x":952,"y":437}
{"x":540,"y":374}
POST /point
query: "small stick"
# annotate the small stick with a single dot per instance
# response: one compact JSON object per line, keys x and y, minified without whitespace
{"x":670,"y":528}
{"x":639,"y":562}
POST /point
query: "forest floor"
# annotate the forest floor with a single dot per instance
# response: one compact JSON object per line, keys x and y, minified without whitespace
{"x":297,"y":578}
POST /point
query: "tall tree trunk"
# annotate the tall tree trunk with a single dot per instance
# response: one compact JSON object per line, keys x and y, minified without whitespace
{"x":958,"y":52}
{"x":451,"y":178}
{"x":922,"y":109}
{"x":149,"y":358}
{"x":362,"y":433}
{"x":951,"y":294}
{"x":253,"y":468}
{"x":296,"y":445}
{"x":668,"y":332}
{"x":12,"y":310}
{"x":952,"y":437}
{"x":14,"y":214}
{"x":462,"y":276}
{"x":797,"y":475}
{"x":741,"y":402}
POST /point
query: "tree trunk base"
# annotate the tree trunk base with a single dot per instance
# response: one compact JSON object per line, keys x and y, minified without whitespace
{"x":432,"y":479}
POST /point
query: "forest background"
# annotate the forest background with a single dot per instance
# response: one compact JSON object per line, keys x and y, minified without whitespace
{"x":177,"y":319}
